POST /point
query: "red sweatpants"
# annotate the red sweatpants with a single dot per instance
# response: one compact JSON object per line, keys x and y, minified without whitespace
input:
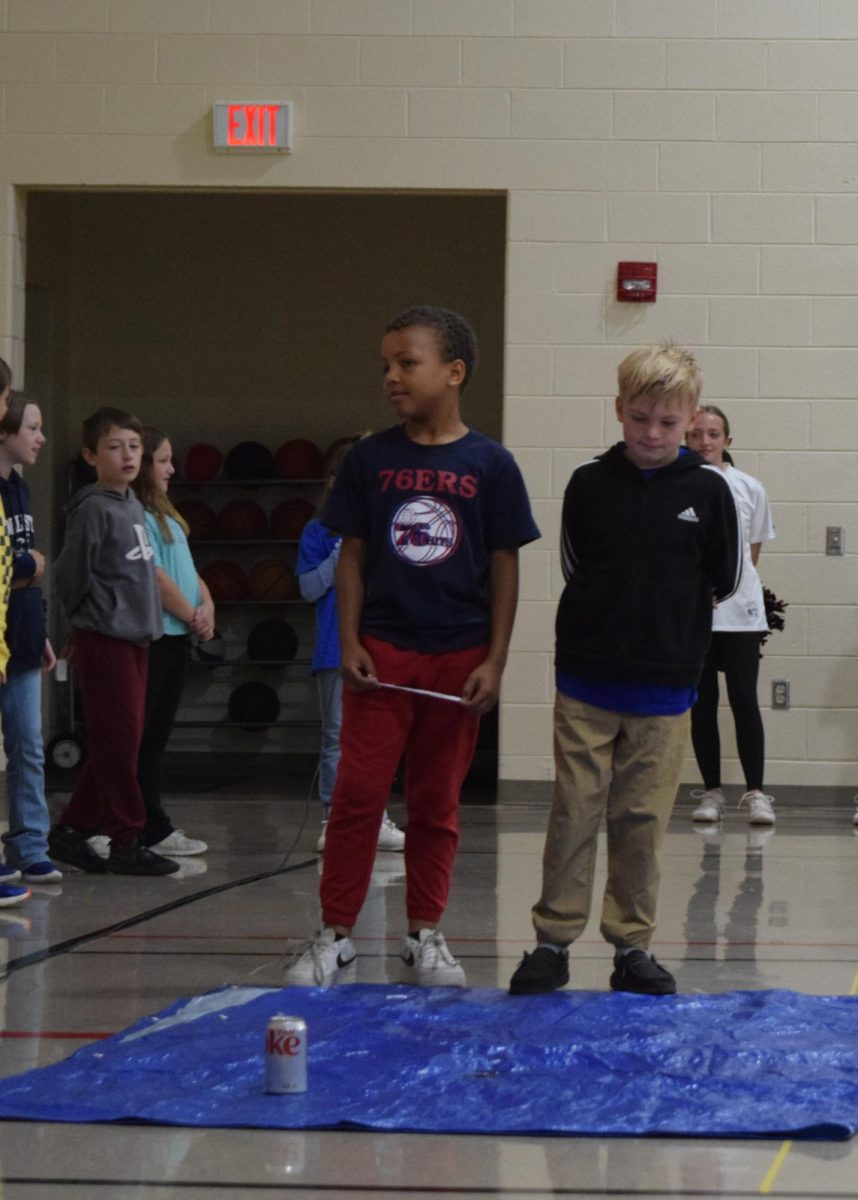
{"x":107,"y":798}
{"x":438,"y":739}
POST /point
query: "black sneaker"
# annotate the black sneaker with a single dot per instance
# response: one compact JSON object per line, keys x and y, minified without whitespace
{"x":543,"y":971}
{"x":70,"y":846}
{"x":637,"y":971}
{"x":138,"y":860}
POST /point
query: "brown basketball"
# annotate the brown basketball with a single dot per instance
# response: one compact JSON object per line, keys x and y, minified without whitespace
{"x":202,"y":522}
{"x":290,"y":517}
{"x":272,"y":580}
{"x":332,"y":458}
{"x":298,"y":459}
{"x":225,"y":580}
{"x":243,"y":520}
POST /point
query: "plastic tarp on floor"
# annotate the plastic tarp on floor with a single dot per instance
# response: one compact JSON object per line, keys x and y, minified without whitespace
{"x":386,"y":1057}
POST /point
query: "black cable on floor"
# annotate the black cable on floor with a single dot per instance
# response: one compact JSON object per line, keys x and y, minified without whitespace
{"x":38,"y":956}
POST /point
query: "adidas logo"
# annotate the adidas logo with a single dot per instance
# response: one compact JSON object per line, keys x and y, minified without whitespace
{"x":688,"y":514}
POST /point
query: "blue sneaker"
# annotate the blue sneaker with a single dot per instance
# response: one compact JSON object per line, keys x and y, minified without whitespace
{"x":9,"y":874}
{"x":43,"y":871}
{"x":10,"y":896}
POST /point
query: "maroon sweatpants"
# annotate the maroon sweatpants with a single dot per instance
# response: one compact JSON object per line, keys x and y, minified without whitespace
{"x":112,"y":677}
{"x":438,"y":739}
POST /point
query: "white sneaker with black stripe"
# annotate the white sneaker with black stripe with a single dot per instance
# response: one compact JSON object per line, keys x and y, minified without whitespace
{"x":327,"y":959}
{"x":429,"y":961}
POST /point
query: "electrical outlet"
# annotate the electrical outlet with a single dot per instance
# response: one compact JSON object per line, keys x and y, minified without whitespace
{"x":834,"y":540}
{"x":780,"y":693}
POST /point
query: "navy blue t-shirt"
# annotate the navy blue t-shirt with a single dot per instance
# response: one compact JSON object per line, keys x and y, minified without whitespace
{"x":431,"y":517}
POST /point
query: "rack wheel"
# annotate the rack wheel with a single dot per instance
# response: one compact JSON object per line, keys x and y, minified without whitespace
{"x":64,"y":751}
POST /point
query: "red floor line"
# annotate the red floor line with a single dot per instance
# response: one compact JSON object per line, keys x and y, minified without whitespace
{"x":54,"y":1033}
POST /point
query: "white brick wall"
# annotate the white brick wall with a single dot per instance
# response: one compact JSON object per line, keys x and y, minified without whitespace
{"x":716,"y":137}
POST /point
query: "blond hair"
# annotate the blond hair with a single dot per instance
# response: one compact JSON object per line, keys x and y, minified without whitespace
{"x":148,"y":493}
{"x":665,"y":372}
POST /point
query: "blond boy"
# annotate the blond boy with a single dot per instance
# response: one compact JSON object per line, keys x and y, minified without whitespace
{"x":650,"y":537}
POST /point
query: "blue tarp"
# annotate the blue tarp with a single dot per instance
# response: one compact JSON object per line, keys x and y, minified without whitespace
{"x":386,"y":1057}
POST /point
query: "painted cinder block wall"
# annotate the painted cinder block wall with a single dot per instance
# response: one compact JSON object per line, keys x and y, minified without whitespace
{"x":716,"y":137}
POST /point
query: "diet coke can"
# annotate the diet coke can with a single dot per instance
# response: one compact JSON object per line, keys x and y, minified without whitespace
{"x":286,"y":1055}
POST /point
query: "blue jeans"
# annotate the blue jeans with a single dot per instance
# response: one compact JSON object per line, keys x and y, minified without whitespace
{"x":21,"y":714}
{"x":330,"y":684}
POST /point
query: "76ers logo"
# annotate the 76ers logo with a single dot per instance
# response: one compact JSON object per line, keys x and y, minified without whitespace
{"x":424,"y":531}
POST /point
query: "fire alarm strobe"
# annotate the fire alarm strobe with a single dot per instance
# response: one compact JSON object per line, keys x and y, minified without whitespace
{"x":636,"y":281}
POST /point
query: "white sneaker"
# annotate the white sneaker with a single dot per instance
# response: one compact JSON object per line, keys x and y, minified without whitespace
{"x":855,"y":814}
{"x":99,"y":844}
{"x":711,"y":806}
{"x":176,"y":845}
{"x":390,"y":836}
{"x":760,"y":811}
{"x":429,"y":960}
{"x":325,"y":961}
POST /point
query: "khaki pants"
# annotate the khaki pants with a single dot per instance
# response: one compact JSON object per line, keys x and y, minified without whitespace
{"x":627,"y":769}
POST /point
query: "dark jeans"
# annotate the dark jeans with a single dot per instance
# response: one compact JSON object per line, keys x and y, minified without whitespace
{"x":168,"y":669}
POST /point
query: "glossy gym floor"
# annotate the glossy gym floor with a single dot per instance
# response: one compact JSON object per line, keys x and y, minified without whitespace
{"x":740,"y":909}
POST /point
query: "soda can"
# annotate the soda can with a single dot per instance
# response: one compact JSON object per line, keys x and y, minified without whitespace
{"x":285,"y":1055}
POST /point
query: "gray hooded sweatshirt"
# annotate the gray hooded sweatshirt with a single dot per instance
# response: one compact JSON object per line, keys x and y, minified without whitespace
{"x":104,"y":575}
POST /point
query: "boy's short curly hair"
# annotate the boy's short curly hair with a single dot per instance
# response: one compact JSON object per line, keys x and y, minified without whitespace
{"x":455,"y":335}
{"x":663,"y":372}
{"x":97,"y":425}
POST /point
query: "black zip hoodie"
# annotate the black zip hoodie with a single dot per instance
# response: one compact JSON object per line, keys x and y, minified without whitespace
{"x":643,"y":557}
{"x":25,"y":620}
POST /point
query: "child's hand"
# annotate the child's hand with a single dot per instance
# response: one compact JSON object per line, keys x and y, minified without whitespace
{"x":482,"y":688}
{"x":202,"y":624}
{"x":39,"y":560}
{"x":49,"y":659}
{"x":358,"y":670}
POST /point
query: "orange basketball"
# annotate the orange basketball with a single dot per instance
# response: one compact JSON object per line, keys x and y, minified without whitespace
{"x":202,"y":522}
{"x":290,"y":517}
{"x":272,"y":580}
{"x":298,"y":459}
{"x":243,"y":520}
{"x":225,"y":580}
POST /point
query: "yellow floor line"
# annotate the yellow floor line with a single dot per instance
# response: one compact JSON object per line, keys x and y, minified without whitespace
{"x":772,"y":1173}
{"x":780,"y":1157}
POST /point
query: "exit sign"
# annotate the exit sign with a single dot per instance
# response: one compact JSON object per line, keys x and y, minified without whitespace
{"x":252,"y":126}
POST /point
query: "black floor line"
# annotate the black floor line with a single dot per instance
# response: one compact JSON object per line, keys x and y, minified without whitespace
{"x":39,"y":956}
{"x":378,"y":1189}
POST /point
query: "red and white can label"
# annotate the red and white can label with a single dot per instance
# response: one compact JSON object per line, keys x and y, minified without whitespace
{"x":286,"y":1055}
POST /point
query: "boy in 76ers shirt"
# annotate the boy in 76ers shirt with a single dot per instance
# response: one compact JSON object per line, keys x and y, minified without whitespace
{"x":432,"y":515}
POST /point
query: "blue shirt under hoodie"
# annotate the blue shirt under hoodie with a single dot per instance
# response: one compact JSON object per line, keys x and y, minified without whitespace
{"x":25,"y":622}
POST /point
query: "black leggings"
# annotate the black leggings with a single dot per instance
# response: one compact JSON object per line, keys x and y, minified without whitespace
{"x":738,"y":656}
{"x":168,"y":667}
